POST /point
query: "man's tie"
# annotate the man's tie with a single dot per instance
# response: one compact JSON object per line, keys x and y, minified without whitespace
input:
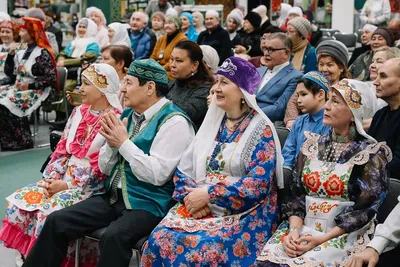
{"x":114,"y":186}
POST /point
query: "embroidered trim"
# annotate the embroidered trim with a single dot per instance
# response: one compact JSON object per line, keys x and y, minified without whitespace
{"x":251,"y":144}
{"x":310,"y":146}
{"x":363,"y":156}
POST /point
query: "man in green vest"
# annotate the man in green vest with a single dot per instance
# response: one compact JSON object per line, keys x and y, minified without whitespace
{"x":142,"y":151}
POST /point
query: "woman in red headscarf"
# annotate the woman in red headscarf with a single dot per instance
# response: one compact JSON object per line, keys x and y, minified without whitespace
{"x":9,"y":35}
{"x":32,"y":72}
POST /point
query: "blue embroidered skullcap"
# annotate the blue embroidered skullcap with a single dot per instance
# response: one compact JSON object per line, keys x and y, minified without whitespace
{"x":319,"y":79}
{"x":148,"y":70}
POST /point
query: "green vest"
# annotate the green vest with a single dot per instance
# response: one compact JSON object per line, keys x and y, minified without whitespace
{"x":142,"y":195}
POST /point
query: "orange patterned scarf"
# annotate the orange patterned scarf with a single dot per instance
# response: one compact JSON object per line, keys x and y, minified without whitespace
{"x":37,"y":33}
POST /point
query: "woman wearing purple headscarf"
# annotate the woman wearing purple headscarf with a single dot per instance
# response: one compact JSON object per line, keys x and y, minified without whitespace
{"x":227,"y":197}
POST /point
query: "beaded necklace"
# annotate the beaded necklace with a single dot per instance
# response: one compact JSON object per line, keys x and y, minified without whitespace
{"x":91,"y":127}
{"x":228,"y":138}
{"x":335,"y":148}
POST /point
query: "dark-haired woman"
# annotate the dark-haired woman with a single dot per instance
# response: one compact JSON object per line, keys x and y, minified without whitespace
{"x":193,"y":80}
{"x":164,"y":46}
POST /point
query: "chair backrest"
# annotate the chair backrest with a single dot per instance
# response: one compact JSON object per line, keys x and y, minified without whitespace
{"x":283,"y":133}
{"x":62,"y":78}
{"x":390,"y":201}
{"x":348,"y":39}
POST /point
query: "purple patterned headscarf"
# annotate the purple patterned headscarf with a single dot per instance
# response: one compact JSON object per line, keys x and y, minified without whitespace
{"x":242,"y":73}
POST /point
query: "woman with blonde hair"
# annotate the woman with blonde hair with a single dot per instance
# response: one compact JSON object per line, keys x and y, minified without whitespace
{"x":198,"y":21}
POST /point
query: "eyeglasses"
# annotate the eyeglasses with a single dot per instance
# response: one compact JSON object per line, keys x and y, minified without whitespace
{"x":271,"y":50}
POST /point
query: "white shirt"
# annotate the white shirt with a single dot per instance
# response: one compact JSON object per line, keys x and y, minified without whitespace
{"x":269,"y":74}
{"x":387,"y":235}
{"x":172,"y":139}
{"x":378,"y":11}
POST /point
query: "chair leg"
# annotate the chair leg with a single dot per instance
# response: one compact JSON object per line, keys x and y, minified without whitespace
{"x":77,"y":247}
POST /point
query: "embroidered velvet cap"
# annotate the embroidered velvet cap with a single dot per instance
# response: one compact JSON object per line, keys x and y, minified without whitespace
{"x":319,"y":79}
{"x":148,"y":70}
{"x":242,"y":73}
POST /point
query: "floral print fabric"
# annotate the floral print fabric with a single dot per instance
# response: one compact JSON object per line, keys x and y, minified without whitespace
{"x":353,"y":190}
{"x":28,"y":207}
{"x":243,"y":200}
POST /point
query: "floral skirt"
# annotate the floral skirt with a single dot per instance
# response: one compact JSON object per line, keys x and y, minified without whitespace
{"x":331,"y":253}
{"x":27,"y":211}
{"x":233,"y":244}
{"x":14,"y":131}
{"x":22,"y":103}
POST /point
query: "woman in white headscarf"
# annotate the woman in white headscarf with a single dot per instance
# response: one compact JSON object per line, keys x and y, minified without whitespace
{"x":284,"y":13}
{"x":72,"y":174}
{"x":210,"y":57}
{"x":224,"y":183}
{"x":198,"y":20}
{"x":339,"y":184}
{"x":98,"y":17}
{"x":118,"y":35}
{"x":83,"y":47}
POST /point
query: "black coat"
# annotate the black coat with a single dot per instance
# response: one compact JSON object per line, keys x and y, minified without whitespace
{"x":385,"y":126}
{"x":219,"y":40}
{"x":252,"y":41}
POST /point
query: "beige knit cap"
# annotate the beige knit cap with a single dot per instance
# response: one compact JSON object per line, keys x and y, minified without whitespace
{"x":302,"y":25}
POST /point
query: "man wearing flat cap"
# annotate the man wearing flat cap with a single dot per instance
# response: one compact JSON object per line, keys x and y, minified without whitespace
{"x":140,"y":156}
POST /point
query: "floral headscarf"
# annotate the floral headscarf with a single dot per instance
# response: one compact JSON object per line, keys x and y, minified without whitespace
{"x":12,"y":25}
{"x":37,"y":33}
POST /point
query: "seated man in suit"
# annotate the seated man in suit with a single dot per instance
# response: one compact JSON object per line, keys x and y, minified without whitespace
{"x":140,"y":156}
{"x":279,"y":76}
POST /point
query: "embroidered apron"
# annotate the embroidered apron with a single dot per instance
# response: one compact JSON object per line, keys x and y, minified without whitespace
{"x":23,"y":103}
{"x":327,"y":196}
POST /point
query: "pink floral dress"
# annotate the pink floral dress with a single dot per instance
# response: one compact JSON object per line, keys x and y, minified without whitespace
{"x":74,"y":161}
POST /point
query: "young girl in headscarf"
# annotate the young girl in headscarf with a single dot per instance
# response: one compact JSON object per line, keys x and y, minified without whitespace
{"x":72,"y":174}
{"x":118,"y":35}
{"x":33,"y":74}
{"x":188,"y":27}
{"x":98,"y":17}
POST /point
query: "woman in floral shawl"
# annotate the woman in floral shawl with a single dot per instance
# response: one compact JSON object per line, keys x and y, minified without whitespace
{"x":34,"y":73}
{"x":72,"y":174}
{"x":224,"y":183}
{"x":340,"y":183}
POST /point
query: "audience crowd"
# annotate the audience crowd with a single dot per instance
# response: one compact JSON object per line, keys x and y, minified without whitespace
{"x":243,"y":143}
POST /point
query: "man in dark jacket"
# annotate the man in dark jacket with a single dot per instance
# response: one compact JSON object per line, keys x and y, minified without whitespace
{"x":385,"y":125}
{"x":250,"y":43}
{"x":215,"y":36}
{"x":57,"y":32}
{"x":142,"y":42}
